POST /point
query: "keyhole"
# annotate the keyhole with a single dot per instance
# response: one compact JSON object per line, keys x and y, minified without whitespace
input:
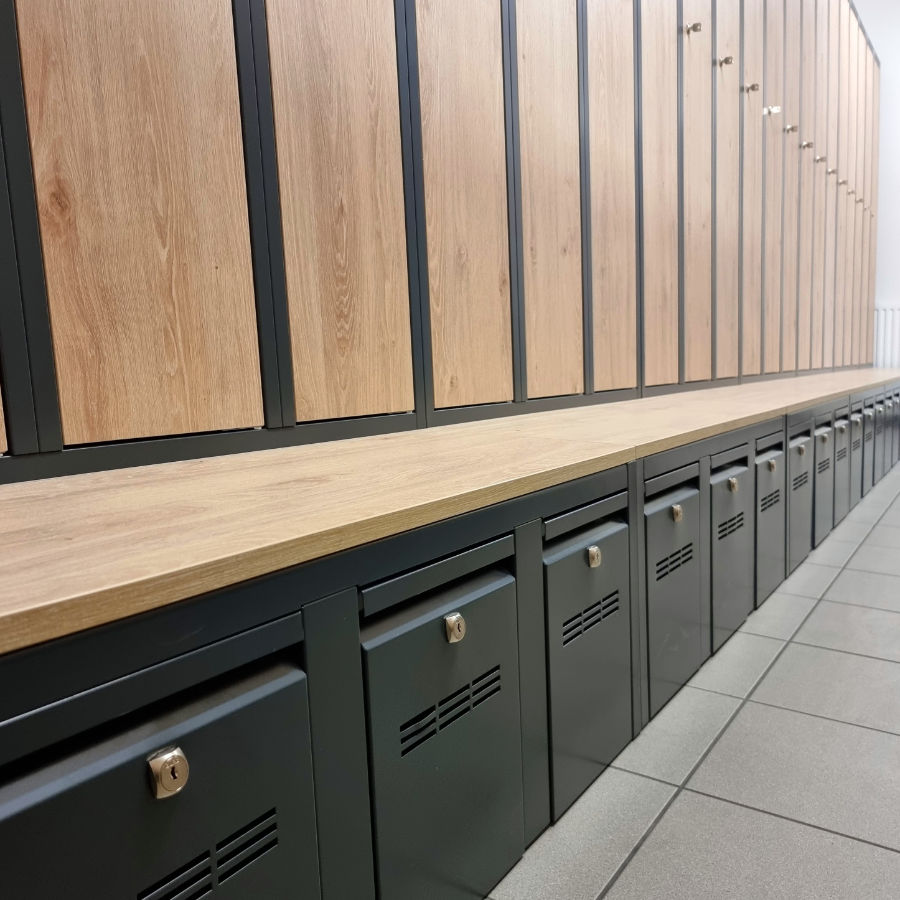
{"x":173,"y":773}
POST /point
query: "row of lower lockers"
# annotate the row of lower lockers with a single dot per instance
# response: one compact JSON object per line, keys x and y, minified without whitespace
{"x":440,"y":657}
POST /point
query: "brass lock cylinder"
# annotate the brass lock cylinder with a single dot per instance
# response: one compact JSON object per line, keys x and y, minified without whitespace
{"x":169,"y":772}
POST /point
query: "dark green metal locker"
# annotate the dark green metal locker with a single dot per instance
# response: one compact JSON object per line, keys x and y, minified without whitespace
{"x":731,"y":496}
{"x":677,"y":643}
{"x":588,"y":655}
{"x":868,"y":480}
{"x":823,"y":501}
{"x":841,"y":469}
{"x":856,"y":458}
{"x":770,"y":522}
{"x":445,"y":738}
{"x":800,"y":502}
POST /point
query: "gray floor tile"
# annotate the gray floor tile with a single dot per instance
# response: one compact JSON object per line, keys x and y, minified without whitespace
{"x":865,"y":513}
{"x":851,"y":531}
{"x":854,"y":689}
{"x":575,"y":858}
{"x":816,"y":771}
{"x":780,"y":616}
{"x":856,"y":629}
{"x":832,"y":552}
{"x":866,"y":589}
{"x":891,"y":517}
{"x":670,"y":746}
{"x":810,"y":580}
{"x":704,"y":848}
{"x":883,"y":560}
{"x":738,"y":665}
{"x":884,"y":536}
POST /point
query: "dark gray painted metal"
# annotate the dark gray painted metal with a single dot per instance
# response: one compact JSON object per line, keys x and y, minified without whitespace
{"x":448,"y":808}
{"x":841,"y":470}
{"x":677,"y":643}
{"x":557,"y":526}
{"x":656,"y":484}
{"x":588,"y":656}
{"x":895,"y":447}
{"x":640,"y":683}
{"x":248,"y":747}
{"x":705,"y":557}
{"x":890,"y":412}
{"x":770,"y":521}
{"x":532,"y":679}
{"x":732,"y":548}
{"x":856,"y":458}
{"x":338,"y":729}
{"x":823,"y":501}
{"x":800,"y":499}
{"x":868,"y":481}
{"x":742,"y":454}
{"x":879,"y":467}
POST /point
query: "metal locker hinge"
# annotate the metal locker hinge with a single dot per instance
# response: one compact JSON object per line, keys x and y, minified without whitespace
{"x":169,"y":772}
{"x":773,"y":465}
{"x":733,"y":485}
{"x":594,"y":556}
{"x":677,"y":512}
{"x":455,"y":625}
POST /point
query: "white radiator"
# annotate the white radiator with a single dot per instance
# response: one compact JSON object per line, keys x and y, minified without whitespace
{"x":887,"y":336}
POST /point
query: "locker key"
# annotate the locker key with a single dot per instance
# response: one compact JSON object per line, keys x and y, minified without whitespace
{"x":455,"y":625}
{"x":733,"y":485}
{"x":169,"y":772}
{"x":677,"y":512}
{"x":594,"y":556}
{"x":772,"y":465}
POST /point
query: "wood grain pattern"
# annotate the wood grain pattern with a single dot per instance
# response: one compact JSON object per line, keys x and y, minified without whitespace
{"x":659,"y":66}
{"x":697,"y":179}
{"x":728,"y":175}
{"x":843,"y":166}
{"x":831,"y":208}
{"x":752,"y":216}
{"x":851,"y":284}
{"x":807,"y":183}
{"x":820,"y":181}
{"x":135,"y":132}
{"x":547,"y":39}
{"x":873,"y":209}
{"x":89,"y":549}
{"x":610,"y":31}
{"x":773,"y":128}
{"x":337,"y":122}
{"x":861,"y":265}
{"x":793,"y":62}
{"x":464,"y":163}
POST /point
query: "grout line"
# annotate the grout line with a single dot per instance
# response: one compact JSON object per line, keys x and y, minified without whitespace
{"x":775,"y":815}
{"x":670,"y":784}
{"x":803,"y":712}
{"x":862,"y":605}
{"x":848,"y":652}
{"x":720,"y":693}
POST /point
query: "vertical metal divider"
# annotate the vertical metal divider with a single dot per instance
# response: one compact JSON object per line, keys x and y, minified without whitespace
{"x":742,"y":78}
{"x":514,"y":198}
{"x":639,"y":194}
{"x":587,"y":287}
{"x":682,"y":337}
{"x":714,"y":218}
{"x":27,"y":235}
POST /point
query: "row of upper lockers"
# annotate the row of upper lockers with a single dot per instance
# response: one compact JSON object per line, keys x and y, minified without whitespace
{"x":477,"y":217}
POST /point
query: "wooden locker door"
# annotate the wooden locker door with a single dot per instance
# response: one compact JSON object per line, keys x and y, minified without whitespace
{"x":697,"y":181}
{"x":793,"y":62}
{"x":337,"y":122}
{"x":753,"y":66}
{"x":863,"y":205}
{"x":728,"y":182}
{"x":464,"y":166}
{"x":850,"y":280}
{"x":860,"y":244}
{"x":873,"y":207}
{"x":807,"y":145}
{"x":547,"y":38}
{"x":659,"y":129}
{"x":829,"y":318}
{"x":774,"y":185}
{"x":843,"y":167}
{"x":610,"y":65}
{"x":135,"y":129}
{"x":820,"y":181}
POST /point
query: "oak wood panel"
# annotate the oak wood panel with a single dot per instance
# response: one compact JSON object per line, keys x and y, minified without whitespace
{"x":464,"y":165}
{"x":337,"y":122}
{"x":728,"y":180}
{"x":843,"y":166}
{"x":873,"y":209}
{"x":89,"y":549}
{"x":752,"y":205}
{"x":820,"y":180}
{"x":659,"y":129}
{"x":610,"y":33}
{"x":807,"y":183}
{"x":861,"y":264}
{"x":830,"y":312}
{"x":547,"y":37}
{"x":3,"y":443}
{"x":793,"y":63}
{"x":850,"y":273}
{"x":773,"y":129}
{"x":698,"y":194}
{"x":135,"y":131}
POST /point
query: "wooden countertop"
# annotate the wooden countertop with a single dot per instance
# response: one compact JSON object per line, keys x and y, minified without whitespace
{"x":84,"y":550}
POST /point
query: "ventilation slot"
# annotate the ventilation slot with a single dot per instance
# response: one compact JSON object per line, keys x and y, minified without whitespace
{"x":668,"y":564}
{"x":770,"y":500}
{"x":841,"y":455}
{"x":823,"y":466}
{"x":800,"y":480}
{"x":868,"y":436}
{"x":856,"y":444}
{"x":729,"y":526}
{"x":246,"y":846}
{"x":194,"y":879}
{"x":428,"y":723}
{"x":589,"y":617}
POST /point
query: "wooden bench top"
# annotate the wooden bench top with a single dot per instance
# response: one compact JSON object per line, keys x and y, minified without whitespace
{"x":84,"y":550}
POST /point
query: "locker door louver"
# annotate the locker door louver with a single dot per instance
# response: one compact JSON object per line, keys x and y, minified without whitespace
{"x":824,"y":465}
{"x":841,"y":455}
{"x":589,"y":617}
{"x":425,"y":725}
{"x":856,"y":443}
{"x":770,"y":500}
{"x":200,"y":877}
{"x":729,"y":526}
{"x":673,"y":561}
{"x":800,"y":480}
{"x":869,"y":435}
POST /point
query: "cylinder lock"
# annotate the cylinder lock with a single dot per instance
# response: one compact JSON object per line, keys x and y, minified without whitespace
{"x":677,"y":512}
{"x":169,"y":772}
{"x":455,"y":626}
{"x":802,"y":449}
{"x":594,"y":556}
{"x":733,"y":485}
{"x":772,"y":465}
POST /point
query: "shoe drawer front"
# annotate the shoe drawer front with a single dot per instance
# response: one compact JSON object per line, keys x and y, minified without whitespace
{"x":213,"y":799}
{"x":856,"y":458}
{"x":801,"y":500}
{"x":823,"y":499}
{"x":868,"y":449}
{"x":445,"y":741}
{"x":841,"y":469}
{"x":770,"y":523}
{"x":586,"y":578}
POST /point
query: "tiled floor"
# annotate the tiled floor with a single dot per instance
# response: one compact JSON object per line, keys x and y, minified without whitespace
{"x":776,"y":772}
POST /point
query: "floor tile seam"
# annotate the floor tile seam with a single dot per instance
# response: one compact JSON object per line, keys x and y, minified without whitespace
{"x":861,"y":605}
{"x":644,"y":775}
{"x":812,"y":715}
{"x":848,"y":652}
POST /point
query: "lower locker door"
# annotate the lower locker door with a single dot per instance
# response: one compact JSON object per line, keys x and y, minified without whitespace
{"x":588,"y":656}
{"x":770,"y":523}
{"x":880,"y":434}
{"x":841,"y":469}
{"x":868,"y":481}
{"x":856,"y":458}
{"x":801,"y":501}
{"x":445,"y":742}
{"x":676,"y":642}
{"x":823,"y":500}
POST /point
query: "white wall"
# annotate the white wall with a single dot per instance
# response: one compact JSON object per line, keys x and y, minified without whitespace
{"x":881,"y":19}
